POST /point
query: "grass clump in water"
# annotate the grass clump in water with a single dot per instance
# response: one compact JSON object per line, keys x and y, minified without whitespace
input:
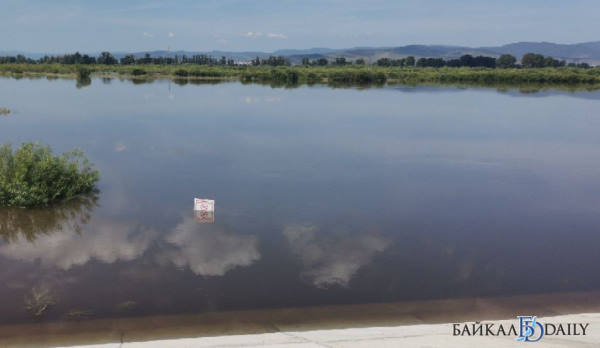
{"x":83,"y":73}
{"x":181,"y":73}
{"x":33,"y":176}
{"x":4,"y":111}
{"x":138,"y":72}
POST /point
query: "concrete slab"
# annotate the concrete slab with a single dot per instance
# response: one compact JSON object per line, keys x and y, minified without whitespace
{"x":256,"y":340}
{"x":429,"y":335}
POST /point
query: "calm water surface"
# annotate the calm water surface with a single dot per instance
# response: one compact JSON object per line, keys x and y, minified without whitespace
{"x":323,"y":196}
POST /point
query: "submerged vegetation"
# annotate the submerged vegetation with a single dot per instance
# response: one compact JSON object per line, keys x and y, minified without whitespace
{"x":39,"y":300}
{"x":4,"y":111}
{"x":33,"y":176}
{"x":29,"y":224}
{"x":83,"y":73}
{"x":330,"y":74}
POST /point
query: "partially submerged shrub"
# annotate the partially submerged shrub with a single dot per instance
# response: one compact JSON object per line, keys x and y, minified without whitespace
{"x":83,"y":73}
{"x":39,"y":300}
{"x":181,"y":72}
{"x":4,"y":111}
{"x":32,"y":175}
{"x":138,"y":72}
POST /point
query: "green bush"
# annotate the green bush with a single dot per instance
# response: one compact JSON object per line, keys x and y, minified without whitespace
{"x":181,"y":72}
{"x":138,"y":72}
{"x":83,"y":73}
{"x":312,"y":77}
{"x":32,"y":175}
{"x":292,"y":76}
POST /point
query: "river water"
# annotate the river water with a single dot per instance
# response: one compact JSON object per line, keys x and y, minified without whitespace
{"x":323,"y":196}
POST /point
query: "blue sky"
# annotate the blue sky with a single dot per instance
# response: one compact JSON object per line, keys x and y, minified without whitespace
{"x":60,"y":26}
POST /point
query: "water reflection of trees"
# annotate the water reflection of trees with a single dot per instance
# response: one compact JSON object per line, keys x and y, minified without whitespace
{"x":83,"y":82}
{"x":30,"y":223}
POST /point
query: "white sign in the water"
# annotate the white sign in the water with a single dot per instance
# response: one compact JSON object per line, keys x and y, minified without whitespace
{"x":204,"y":216}
{"x":204,"y":210}
{"x":206,"y":205}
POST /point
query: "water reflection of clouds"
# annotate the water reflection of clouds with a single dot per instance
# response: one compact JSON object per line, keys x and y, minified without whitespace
{"x":208,"y":249}
{"x":120,"y":147}
{"x":329,"y":260}
{"x":103,"y":240}
{"x":266,"y":99}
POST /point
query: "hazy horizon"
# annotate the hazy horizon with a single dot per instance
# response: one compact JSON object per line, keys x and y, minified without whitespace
{"x":98,"y":51}
{"x":234,"y":25}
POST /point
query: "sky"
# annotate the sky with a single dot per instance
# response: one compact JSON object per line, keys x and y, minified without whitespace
{"x":61,"y":26}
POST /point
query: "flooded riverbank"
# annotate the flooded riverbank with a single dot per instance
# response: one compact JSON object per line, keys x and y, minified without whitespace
{"x":324,"y":197}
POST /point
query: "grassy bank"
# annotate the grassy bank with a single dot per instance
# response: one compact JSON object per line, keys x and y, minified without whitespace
{"x":325,"y":74}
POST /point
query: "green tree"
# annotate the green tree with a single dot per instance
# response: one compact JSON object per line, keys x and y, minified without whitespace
{"x":128,"y":60}
{"x":384,"y":62}
{"x":322,"y":61}
{"x":532,"y":60}
{"x":421,"y":62}
{"x":506,"y":61}
{"x":106,"y":58}
{"x":409,"y":61}
{"x":340,"y":61}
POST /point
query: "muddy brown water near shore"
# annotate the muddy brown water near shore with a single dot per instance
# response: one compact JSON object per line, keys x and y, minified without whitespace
{"x":137,"y":329}
{"x":324,"y":197}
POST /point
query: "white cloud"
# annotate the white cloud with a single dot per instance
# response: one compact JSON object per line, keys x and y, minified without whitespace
{"x":171,"y":35}
{"x":330,"y":261}
{"x":276,"y":36}
{"x":148,"y":35}
{"x":208,"y":249}
{"x":120,"y":147}
{"x":252,"y":35}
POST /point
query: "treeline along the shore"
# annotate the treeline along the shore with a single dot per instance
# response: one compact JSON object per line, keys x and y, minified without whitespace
{"x":529,"y":60}
{"x":531,"y":69}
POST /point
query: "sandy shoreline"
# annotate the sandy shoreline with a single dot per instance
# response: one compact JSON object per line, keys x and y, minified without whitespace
{"x":396,"y":315}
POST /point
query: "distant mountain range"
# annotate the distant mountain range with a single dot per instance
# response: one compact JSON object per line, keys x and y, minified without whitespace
{"x":588,"y":52}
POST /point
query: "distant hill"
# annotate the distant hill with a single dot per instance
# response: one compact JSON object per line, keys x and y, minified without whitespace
{"x":16,"y":53}
{"x":588,"y":52}
{"x":574,"y":52}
